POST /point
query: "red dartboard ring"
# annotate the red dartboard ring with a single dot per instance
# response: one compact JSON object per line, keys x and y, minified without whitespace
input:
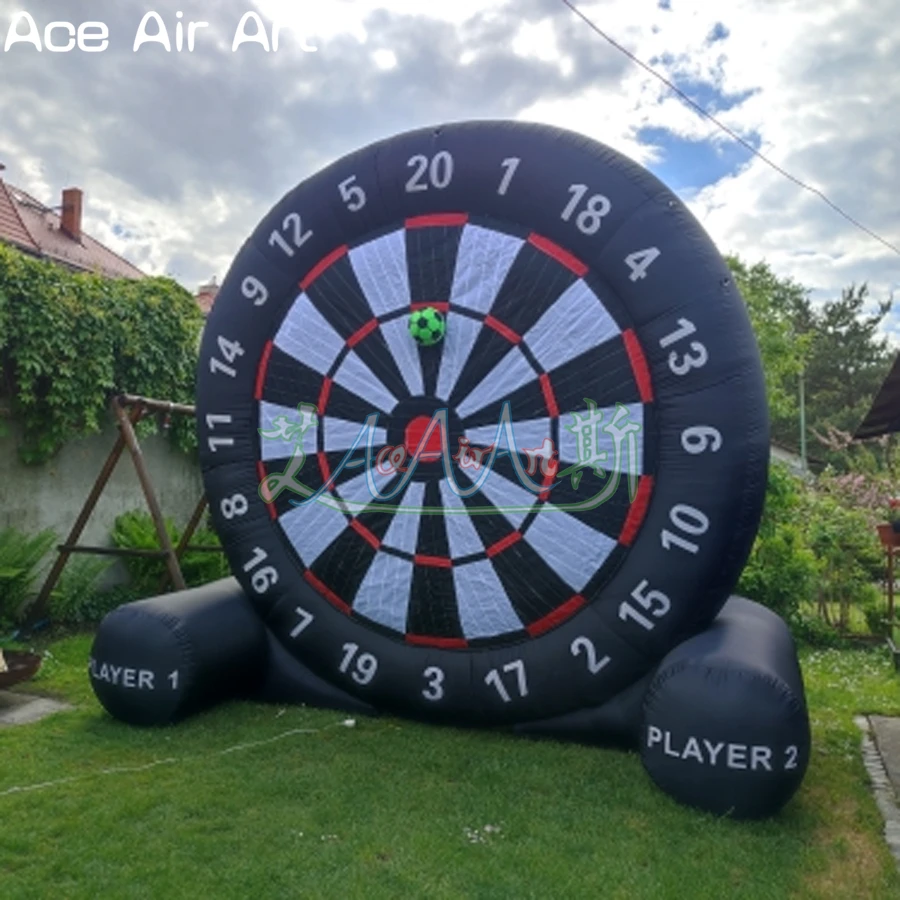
{"x":580,"y":297}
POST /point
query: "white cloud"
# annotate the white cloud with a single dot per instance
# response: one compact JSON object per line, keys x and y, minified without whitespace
{"x":186,"y":153}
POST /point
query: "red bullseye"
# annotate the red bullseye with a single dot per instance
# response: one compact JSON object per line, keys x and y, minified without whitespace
{"x":413,"y":435}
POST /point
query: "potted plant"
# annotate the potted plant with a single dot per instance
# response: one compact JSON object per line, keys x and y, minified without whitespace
{"x":889,"y":532}
{"x":894,"y":514}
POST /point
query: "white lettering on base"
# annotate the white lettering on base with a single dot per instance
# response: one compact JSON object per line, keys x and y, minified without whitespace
{"x":709,"y":753}
{"x":121,"y":676}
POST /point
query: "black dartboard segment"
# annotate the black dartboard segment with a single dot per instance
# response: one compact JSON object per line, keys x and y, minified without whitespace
{"x":591,"y":430}
{"x":440,"y":570}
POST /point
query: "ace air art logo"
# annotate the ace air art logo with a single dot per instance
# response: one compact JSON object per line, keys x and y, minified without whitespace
{"x":177,"y":36}
{"x":606,"y":442}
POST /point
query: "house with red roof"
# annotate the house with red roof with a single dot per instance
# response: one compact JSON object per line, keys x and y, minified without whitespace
{"x":55,"y":233}
{"x":206,"y":296}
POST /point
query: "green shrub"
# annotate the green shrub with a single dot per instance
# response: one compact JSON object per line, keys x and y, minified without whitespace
{"x":849,"y":555}
{"x":814,"y":548}
{"x":20,"y":559}
{"x":76,"y":599}
{"x":782,"y":570}
{"x":199,"y":567}
{"x":814,"y":631}
{"x":135,"y":530}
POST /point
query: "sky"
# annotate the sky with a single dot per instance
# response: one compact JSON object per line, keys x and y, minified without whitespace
{"x":180,"y":154}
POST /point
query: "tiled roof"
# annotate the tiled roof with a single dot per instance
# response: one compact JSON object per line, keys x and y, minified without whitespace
{"x":35,"y":228}
{"x":206,"y":296}
{"x":12,"y":228}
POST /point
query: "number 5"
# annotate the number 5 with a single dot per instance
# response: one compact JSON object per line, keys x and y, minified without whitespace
{"x":352,"y":194}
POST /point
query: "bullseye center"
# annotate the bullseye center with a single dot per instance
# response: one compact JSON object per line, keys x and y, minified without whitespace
{"x":414,"y":433}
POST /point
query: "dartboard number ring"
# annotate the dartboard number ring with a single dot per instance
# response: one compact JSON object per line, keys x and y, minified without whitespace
{"x":459,"y":422}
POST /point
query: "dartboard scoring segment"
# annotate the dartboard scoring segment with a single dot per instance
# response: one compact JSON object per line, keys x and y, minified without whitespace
{"x":408,"y":603}
{"x":483,"y":600}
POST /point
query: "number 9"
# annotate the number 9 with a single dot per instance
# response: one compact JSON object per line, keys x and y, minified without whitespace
{"x":253,"y":289}
{"x":697,"y":439}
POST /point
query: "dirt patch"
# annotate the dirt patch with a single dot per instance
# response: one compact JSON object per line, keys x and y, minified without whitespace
{"x":22,"y":709}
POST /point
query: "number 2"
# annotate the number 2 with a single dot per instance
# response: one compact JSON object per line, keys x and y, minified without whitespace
{"x":791,"y":753}
{"x":587,"y":645}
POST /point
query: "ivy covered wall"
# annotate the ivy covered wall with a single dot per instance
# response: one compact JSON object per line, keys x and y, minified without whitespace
{"x":69,"y":341}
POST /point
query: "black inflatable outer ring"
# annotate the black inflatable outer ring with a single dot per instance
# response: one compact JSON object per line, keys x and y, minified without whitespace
{"x":689,"y":280}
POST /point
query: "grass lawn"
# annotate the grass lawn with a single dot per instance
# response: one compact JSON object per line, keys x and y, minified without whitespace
{"x":304,"y":806}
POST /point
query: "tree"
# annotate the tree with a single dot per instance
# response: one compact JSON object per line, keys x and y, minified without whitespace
{"x":776,"y":307}
{"x":838,"y":348}
{"x":849,"y":360}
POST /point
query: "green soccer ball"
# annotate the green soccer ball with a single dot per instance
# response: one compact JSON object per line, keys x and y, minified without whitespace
{"x":427,"y":326}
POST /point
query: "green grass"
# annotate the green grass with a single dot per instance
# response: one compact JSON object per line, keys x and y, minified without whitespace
{"x":384,"y":809}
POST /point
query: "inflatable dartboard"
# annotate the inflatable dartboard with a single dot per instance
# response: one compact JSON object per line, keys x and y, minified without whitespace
{"x":482,"y":423}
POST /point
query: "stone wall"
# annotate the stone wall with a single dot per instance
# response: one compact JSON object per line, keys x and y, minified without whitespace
{"x":51,"y":495}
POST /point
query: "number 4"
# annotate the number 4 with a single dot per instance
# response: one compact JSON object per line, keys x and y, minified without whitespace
{"x":640,"y":261}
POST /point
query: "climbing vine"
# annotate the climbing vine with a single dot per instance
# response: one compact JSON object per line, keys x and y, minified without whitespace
{"x":70,"y":341}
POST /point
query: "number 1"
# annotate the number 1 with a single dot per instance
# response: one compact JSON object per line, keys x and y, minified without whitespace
{"x":510,"y":165}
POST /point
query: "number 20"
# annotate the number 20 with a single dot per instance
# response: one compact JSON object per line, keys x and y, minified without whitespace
{"x":440,"y":171}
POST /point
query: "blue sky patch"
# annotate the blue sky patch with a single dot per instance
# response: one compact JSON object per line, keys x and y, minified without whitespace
{"x":687,"y":164}
{"x":719,"y":33}
{"x":704,"y":94}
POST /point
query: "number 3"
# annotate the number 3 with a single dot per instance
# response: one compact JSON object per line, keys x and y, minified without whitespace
{"x":435,"y":677}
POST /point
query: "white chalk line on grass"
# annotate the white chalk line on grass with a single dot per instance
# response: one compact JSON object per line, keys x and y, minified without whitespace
{"x":172,"y":760}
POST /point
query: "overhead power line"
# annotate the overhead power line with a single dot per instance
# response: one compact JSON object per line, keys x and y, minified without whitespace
{"x":723,"y":127}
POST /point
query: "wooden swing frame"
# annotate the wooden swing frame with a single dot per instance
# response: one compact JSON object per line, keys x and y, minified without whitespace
{"x":128,"y":410}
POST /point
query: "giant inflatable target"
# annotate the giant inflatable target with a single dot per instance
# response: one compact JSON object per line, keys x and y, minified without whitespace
{"x":521,"y":518}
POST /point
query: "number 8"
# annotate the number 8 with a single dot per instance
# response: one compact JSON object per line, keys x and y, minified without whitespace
{"x":234,"y":506}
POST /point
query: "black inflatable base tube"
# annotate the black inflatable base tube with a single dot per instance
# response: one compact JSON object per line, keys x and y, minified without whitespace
{"x":724,"y":725}
{"x":158,"y":660}
{"x":721,"y":723}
